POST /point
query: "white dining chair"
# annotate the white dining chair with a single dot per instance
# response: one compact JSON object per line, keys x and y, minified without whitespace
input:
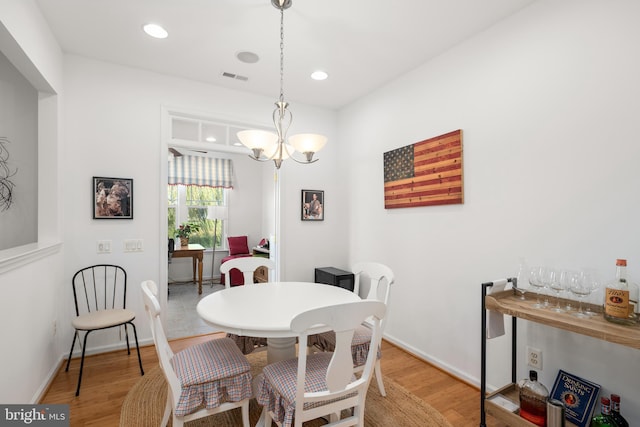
{"x":248,"y":266}
{"x":322,"y":384}
{"x":204,"y":379}
{"x":381,"y":278}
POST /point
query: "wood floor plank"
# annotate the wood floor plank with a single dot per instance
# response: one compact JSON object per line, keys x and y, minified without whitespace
{"x":108,"y":378}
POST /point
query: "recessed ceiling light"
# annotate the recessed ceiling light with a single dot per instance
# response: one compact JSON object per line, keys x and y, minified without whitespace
{"x":210,"y":139}
{"x":155,"y":30}
{"x":247,"y":57}
{"x":319,"y":75}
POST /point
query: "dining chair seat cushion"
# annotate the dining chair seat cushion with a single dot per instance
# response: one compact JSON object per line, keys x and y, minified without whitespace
{"x":277,"y":385}
{"x":103,"y":319}
{"x":209,"y":371}
{"x":360,"y":343}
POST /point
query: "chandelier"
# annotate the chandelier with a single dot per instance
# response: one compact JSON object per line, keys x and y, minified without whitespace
{"x":267,"y":145}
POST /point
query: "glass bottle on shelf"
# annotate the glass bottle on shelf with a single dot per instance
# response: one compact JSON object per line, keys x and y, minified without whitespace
{"x":603,"y":419}
{"x":621,"y":297}
{"x":533,"y":400}
{"x":615,"y":411}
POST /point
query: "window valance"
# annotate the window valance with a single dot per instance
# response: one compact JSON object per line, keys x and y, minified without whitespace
{"x":196,"y":170}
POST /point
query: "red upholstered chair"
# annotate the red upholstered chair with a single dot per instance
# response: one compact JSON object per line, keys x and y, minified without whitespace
{"x":238,"y":248}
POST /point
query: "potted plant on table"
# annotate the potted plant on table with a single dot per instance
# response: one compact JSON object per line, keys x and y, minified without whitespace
{"x":185,"y":230}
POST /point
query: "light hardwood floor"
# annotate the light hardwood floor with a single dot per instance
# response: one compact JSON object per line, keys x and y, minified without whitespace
{"x":108,"y":377}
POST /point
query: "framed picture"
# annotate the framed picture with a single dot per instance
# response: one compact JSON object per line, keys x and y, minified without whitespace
{"x":112,"y":198}
{"x":312,"y":205}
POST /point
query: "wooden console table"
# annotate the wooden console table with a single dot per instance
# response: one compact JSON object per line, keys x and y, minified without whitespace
{"x":195,"y":251}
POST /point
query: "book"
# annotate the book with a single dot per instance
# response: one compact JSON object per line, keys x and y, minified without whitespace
{"x":578,"y":395}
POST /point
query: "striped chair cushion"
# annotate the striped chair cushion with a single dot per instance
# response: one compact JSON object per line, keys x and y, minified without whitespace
{"x":360,"y":343}
{"x":210,"y":374}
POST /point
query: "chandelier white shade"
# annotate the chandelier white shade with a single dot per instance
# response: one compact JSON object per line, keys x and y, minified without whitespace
{"x":274,"y":146}
{"x":307,"y":143}
{"x":258,"y":140}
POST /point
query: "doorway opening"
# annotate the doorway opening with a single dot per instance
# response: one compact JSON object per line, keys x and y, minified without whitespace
{"x":251,"y":203}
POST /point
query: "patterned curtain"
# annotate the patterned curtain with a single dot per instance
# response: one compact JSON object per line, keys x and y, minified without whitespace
{"x":204,"y":171}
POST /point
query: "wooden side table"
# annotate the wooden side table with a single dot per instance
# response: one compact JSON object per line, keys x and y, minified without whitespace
{"x":195,"y":251}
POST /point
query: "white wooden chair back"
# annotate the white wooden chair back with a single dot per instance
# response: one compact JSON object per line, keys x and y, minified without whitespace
{"x":380,"y":277}
{"x":247,"y":265}
{"x":163,"y":350}
{"x":343,"y":319}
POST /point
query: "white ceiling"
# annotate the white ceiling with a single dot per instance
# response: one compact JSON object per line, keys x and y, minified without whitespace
{"x":362,"y":44}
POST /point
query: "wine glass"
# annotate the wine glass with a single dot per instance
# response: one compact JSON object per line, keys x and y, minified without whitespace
{"x":580,"y":286}
{"x":565,"y":278}
{"x":546,"y":277}
{"x":592,"y":283}
{"x":536,"y":281}
{"x":556,"y":285}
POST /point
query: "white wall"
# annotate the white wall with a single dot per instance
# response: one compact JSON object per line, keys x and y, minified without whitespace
{"x":548,"y":104}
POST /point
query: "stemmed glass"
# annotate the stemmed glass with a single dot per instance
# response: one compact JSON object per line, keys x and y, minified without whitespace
{"x":547,"y":276}
{"x":556,"y":285}
{"x":581,"y":286}
{"x":565,"y":278}
{"x":535,"y":280}
{"x":592,"y":284}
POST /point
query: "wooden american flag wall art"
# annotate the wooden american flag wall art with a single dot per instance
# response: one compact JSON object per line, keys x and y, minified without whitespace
{"x":426,"y":173}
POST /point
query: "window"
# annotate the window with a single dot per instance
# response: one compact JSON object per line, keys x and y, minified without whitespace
{"x":189,"y":203}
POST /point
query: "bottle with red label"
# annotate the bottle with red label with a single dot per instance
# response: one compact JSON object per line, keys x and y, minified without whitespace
{"x":615,"y":411}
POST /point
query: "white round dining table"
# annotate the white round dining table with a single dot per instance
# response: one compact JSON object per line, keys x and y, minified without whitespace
{"x":266,"y":310}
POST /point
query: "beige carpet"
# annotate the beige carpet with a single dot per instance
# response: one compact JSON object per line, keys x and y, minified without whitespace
{"x":144,"y":405}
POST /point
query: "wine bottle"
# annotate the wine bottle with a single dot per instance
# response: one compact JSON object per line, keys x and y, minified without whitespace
{"x":621,"y":297}
{"x":533,"y":400}
{"x":603,"y":419}
{"x":615,"y":411}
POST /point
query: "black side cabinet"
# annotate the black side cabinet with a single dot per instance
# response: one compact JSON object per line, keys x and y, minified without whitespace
{"x":335,"y":276}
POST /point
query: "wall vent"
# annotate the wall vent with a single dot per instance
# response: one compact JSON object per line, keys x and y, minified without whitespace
{"x":235,"y":76}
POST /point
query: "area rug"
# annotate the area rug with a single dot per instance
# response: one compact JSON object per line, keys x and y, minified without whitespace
{"x":144,"y":405}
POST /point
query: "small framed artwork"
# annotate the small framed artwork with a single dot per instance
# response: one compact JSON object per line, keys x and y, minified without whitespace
{"x":312,"y":205}
{"x":112,"y":198}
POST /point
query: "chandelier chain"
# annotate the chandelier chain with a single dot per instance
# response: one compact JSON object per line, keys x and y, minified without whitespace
{"x":282,"y":54}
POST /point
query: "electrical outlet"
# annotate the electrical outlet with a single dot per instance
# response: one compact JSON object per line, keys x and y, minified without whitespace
{"x":534,"y":358}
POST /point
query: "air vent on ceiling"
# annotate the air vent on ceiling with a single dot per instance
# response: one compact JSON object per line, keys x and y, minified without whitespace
{"x":235,"y":76}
